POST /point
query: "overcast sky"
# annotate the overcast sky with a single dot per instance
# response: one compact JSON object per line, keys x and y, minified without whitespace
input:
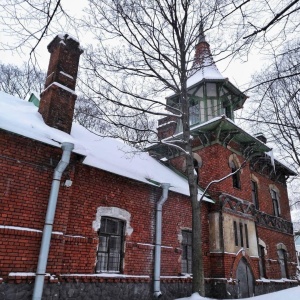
{"x":239,"y":73}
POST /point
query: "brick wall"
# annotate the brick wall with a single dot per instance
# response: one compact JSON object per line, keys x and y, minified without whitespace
{"x":26,"y":170}
{"x":26,"y":174}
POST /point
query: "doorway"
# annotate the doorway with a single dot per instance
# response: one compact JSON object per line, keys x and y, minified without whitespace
{"x":245,"y":279}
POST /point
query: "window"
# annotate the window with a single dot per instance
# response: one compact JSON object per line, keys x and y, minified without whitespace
{"x":194,"y":112}
{"x":236,"y":239}
{"x":197,"y":164}
{"x":262,"y":266}
{"x":109,"y":255}
{"x":241,"y":235}
{"x":275,"y":202}
{"x":236,"y":176}
{"x":282,"y":255}
{"x":234,"y":164}
{"x":239,"y":238}
{"x":254,"y":193}
{"x":186,"y":245}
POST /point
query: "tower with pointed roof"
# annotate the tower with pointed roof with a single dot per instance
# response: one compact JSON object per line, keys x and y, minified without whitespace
{"x":210,"y":93}
{"x":245,"y":228}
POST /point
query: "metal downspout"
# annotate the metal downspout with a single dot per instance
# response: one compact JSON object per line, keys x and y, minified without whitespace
{"x":49,"y":220}
{"x":158,"y":230}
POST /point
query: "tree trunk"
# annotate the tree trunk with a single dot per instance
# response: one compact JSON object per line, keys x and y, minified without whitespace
{"x":197,"y":258}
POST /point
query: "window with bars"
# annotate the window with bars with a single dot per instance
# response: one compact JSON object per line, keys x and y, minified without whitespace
{"x":275,"y":202}
{"x":254,"y":193}
{"x":110,"y":249}
{"x":186,"y":246}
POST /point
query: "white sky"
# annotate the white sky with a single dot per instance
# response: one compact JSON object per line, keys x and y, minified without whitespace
{"x":239,"y":73}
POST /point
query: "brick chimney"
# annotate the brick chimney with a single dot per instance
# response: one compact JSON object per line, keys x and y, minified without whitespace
{"x":58,"y":98}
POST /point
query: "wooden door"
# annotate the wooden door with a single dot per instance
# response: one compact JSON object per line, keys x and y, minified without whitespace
{"x":245,"y":280}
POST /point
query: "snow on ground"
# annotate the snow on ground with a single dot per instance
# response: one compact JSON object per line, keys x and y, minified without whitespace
{"x":288,"y":294}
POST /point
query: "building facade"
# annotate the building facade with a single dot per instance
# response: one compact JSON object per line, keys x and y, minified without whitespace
{"x":104,"y":234}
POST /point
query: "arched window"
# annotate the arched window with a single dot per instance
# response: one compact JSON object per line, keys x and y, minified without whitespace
{"x":261,"y":254}
{"x":282,"y":258}
{"x":275,"y":202}
{"x":197,"y":164}
{"x":112,"y":224}
{"x":235,"y":177}
{"x":275,"y":196}
{"x":234,"y":164}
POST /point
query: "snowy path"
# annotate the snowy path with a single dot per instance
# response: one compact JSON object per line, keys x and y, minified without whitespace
{"x":288,"y":294}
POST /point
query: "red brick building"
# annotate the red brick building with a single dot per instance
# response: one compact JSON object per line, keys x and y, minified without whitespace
{"x":103,"y":234}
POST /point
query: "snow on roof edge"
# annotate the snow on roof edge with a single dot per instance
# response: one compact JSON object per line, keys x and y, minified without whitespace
{"x":22,"y":118}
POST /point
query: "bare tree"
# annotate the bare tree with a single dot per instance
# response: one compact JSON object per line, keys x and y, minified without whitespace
{"x":152,"y":52}
{"x":25,"y":23}
{"x":276,"y":108}
{"x":20,"y":81}
{"x":144,"y":50}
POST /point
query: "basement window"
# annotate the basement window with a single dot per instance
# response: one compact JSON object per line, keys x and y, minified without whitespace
{"x":110,"y":249}
{"x":186,"y":246}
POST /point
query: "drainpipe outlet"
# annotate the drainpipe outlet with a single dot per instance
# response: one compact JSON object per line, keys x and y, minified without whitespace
{"x":157,"y":295}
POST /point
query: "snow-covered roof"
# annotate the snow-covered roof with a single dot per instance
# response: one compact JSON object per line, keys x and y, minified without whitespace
{"x":208,"y":70}
{"x":22,"y":117}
